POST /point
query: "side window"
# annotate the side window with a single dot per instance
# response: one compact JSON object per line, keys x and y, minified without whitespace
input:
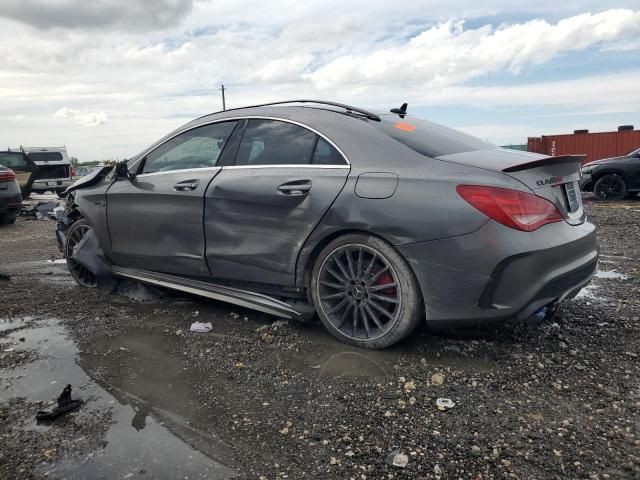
{"x":271,"y":142}
{"x":326,"y":154}
{"x":197,"y":148}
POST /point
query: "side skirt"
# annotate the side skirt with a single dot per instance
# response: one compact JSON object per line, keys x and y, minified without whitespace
{"x":243,"y":298}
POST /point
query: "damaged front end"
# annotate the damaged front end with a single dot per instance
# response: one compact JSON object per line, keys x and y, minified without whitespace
{"x":74,"y":210}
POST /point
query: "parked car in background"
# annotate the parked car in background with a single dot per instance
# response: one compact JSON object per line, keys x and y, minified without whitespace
{"x":379,"y":220}
{"x":613,"y":178}
{"x":10,"y":197}
{"x":24,"y":168}
{"x":55,"y":172}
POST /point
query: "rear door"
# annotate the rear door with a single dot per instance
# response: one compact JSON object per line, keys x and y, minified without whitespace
{"x":260,"y":210}
{"x":155,"y":219}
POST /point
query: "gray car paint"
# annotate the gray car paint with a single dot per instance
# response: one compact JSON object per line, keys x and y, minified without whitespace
{"x":454,"y":249}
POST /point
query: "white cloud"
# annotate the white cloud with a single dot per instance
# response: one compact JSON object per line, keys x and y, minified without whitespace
{"x":152,"y":77}
{"x":86,"y":119}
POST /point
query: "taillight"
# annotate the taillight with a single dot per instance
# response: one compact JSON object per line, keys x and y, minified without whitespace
{"x":515,"y":209}
{"x":7,"y":176}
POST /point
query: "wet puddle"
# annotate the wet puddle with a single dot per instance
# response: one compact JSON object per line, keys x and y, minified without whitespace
{"x":157,"y":430}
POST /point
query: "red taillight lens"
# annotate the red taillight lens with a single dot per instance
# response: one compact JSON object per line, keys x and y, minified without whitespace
{"x":515,"y":209}
{"x":7,"y":175}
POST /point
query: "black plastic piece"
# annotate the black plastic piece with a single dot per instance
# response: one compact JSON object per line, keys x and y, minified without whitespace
{"x":65,"y":404}
{"x":402,"y":111}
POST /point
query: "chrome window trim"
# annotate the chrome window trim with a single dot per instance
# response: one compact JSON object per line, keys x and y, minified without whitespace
{"x":249,"y":117}
{"x":183,"y":170}
{"x":302,"y":165}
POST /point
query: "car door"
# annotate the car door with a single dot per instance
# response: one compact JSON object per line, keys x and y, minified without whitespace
{"x":633,"y":170}
{"x":155,"y":218}
{"x":260,"y":210}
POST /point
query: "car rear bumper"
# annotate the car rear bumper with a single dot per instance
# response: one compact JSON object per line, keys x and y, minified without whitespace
{"x":52,"y":183}
{"x":498,"y":273}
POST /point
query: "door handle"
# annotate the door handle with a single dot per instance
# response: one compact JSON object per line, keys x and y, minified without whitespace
{"x":295,"y":187}
{"x":186,"y":185}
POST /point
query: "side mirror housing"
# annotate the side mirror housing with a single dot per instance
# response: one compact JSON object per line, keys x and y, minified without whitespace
{"x":122,"y":170}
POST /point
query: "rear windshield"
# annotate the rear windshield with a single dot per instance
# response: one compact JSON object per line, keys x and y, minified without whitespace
{"x":45,"y":156}
{"x":9,"y":159}
{"x":430,"y":139}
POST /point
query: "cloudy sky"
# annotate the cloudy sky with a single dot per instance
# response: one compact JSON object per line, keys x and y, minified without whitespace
{"x":108,"y":77}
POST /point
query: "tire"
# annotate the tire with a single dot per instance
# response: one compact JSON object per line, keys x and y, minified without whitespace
{"x":9,"y":218}
{"x":610,"y":187}
{"x":81,"y":274}
{"x":363,"y":278}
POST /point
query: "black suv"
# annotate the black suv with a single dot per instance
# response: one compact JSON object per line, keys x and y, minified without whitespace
{"x":613,"y":178}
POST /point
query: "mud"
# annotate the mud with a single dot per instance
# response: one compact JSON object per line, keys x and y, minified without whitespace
{"x":258,"y":397}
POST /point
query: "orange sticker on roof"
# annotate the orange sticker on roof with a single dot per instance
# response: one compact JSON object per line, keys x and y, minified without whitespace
{"x":407,"y":127}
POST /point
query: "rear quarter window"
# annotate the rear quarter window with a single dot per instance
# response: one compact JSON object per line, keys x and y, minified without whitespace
{"x":430,"y":139}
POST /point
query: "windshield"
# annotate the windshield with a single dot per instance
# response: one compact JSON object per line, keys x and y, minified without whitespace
{"x":45,"y":156}
{"x":430,"y":139}
{"x":633,"y":152}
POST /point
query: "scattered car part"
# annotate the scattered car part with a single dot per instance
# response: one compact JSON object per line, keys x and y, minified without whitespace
{"x":64,"y":404}
{"x":274,"y":205}
{"x":201,"y":327}
{"x":444,"y":404}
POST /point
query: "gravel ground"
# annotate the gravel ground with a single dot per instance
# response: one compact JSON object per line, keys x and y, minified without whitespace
{"x":262,"y":398}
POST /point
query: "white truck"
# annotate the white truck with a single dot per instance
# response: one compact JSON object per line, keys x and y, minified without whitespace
{"x":55,"y":172}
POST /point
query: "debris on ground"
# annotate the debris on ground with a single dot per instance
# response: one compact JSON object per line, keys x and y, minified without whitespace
{"x":43,"y":209}
{"x":444,"y":404}
{"x":64,"y":404}
{"x":397,"y":459}
{"x":201,"y":327}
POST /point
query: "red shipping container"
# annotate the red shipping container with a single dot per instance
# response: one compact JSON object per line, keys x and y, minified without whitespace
{"x":594,"y":145}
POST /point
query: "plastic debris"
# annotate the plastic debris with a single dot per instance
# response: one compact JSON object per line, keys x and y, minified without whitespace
{"x":397,"y":459}
{"x":65,"y":404}
{"x":201,"y":327}
{"x":444,"y":404}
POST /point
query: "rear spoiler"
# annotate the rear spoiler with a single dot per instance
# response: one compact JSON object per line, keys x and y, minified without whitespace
{"x":544,"y":162}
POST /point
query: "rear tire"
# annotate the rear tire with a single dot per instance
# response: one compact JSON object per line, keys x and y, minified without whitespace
{"x":80,"y":273}
{"x":610,"y":187}
{"x":365,"y":292}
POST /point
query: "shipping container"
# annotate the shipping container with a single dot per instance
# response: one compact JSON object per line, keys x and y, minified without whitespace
{"x":594,"y":145}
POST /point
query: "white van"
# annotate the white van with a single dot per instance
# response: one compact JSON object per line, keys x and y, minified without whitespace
{"x":54,"y":168}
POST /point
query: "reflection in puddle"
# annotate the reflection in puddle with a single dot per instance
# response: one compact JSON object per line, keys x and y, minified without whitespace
{"x":152,"y":434}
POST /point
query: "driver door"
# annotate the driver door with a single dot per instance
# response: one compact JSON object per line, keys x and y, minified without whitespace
{"x":156,"y":218}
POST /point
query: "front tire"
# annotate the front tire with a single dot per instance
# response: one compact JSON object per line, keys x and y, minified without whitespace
{"x":8,"y":218}
{"x":365,"y":292}
{"x":610,"y":187}
{"x":81,"y":274}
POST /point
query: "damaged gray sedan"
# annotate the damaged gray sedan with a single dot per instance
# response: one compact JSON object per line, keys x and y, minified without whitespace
{"x":374,"y":221}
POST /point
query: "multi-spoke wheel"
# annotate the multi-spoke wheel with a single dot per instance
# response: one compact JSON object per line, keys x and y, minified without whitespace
{"x":610,"y":187}
{"x":364,"y":291}
{"x":80,"y":273}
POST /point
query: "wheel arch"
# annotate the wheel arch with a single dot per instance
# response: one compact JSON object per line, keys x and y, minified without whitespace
{"x":610,"y":171}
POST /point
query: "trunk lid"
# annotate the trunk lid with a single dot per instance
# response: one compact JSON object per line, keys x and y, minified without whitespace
{"x":553,"y":178}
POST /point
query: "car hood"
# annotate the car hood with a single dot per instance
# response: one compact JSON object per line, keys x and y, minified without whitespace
{"x":602,"y":161}
{"x":89,"y":179}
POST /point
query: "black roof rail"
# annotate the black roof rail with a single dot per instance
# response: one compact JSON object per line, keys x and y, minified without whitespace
{"x":348,"y":108}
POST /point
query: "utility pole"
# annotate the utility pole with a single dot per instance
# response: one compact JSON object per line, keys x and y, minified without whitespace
{"x":224,"y":106}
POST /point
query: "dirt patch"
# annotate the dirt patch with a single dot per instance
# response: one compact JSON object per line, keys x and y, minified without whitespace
{"x":261,"y":397}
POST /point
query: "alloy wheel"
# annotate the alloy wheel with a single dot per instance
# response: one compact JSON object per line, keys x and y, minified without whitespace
{"x":610,"y":188}
{"x":81,"y":273}
{"x":359,"y":292}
